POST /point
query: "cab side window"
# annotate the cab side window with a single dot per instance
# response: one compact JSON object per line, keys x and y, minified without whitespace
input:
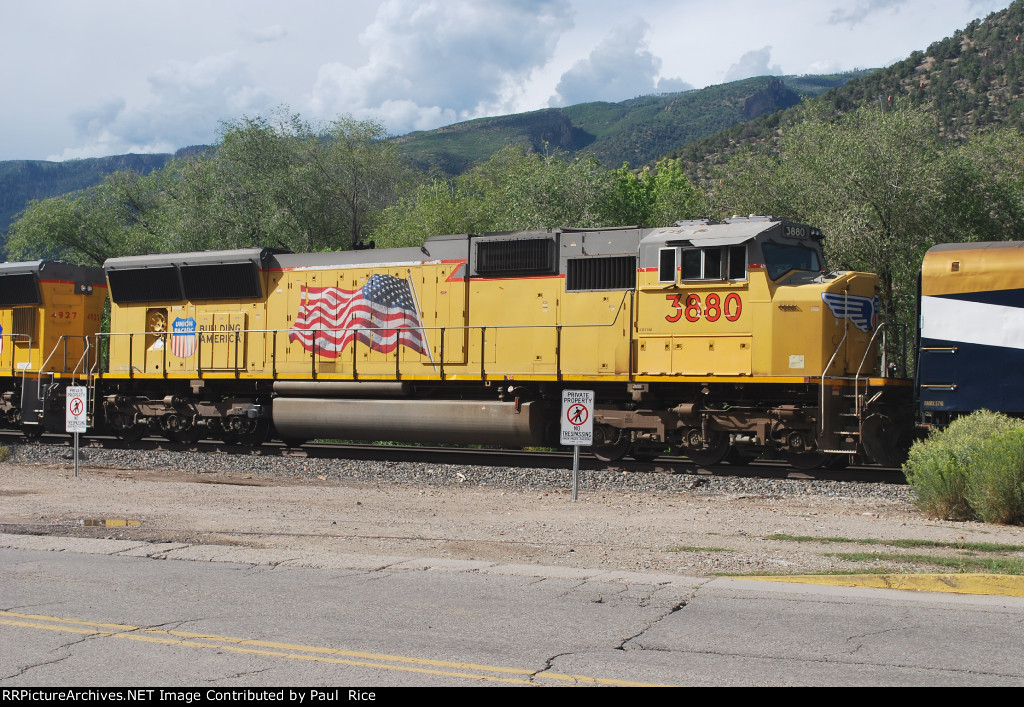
{"x":728,"y":263}
{"x":738,"y":262}
{"x":667,"y":265}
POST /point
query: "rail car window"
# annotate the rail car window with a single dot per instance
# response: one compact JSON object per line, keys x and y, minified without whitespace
{"x":667,"y":265}
{"x":781,"y":259}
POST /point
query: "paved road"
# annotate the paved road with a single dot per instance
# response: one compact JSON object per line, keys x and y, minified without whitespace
{"x":105,"y":613}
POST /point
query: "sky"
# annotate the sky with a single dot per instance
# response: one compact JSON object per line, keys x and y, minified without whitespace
{"x":90,"y":78}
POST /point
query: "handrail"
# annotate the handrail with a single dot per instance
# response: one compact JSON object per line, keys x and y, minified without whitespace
{"x":272,"y":335}
{"x":824,"y":373}
{"x":856,"y":378}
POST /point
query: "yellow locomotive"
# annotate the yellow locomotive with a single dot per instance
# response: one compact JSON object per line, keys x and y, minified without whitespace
{"x":50,"y":315}
{"x":716,"y":339}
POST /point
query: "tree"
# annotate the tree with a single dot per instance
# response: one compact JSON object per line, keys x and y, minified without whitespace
{"x":269,"y":182}
{"x":521,"y":190}
{"x":514,"y":190}
{"x":117,"y":217}
{"x":283,"y":181}
{"x":877,"y":183}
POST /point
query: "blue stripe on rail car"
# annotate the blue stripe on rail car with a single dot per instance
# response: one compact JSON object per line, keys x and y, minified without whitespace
{"x":960,"y":377}
{"x":1002,"y":298}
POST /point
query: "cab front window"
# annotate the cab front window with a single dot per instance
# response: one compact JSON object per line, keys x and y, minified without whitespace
{"x":782,"y":259}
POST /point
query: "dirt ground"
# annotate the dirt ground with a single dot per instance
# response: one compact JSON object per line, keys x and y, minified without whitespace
{"x":683,"y":533}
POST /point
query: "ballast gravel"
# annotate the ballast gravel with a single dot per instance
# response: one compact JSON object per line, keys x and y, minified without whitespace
{"x":683,"y":523}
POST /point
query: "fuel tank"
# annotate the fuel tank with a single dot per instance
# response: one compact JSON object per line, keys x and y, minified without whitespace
{"x":429,"y":421}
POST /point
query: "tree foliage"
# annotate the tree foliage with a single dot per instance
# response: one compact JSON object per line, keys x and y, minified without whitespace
{"x":279,"y":182}
{"x":521,"y":190}
{"x":884,"y":186}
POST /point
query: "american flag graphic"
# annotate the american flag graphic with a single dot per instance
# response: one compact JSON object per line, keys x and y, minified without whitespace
{"x":381,"y":315}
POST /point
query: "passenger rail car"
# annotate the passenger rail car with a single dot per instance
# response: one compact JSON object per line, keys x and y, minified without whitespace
{"x":715,"y":339}
{"x":971,"y":330}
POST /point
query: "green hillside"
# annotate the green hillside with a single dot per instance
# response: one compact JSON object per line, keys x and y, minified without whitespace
{"x":22,"y":181}
{"x":637,"y":131}
{"x":968,"y":82}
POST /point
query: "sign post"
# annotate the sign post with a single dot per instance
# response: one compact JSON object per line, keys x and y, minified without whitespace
{"x":77,"y":420}
{"x":577,"y":427}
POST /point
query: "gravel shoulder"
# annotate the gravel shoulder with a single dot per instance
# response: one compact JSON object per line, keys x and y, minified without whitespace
{"x":638,"y":522}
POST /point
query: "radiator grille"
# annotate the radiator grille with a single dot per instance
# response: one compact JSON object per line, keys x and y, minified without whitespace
{"x":618,"y":273}
{"x":533,"y":256}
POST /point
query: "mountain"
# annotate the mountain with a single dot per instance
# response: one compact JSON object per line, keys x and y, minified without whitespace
{"x":24,"y":180}
{"x":969,"y":82}
{"x":637,"y":131}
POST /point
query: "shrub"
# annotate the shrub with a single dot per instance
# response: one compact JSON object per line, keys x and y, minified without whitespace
{"x":995,"y":486}
{"x":940,"y":469}
{"x":5,"y":454}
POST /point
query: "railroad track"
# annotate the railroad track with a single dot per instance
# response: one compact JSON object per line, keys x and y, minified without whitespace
{"x":541,"y":459}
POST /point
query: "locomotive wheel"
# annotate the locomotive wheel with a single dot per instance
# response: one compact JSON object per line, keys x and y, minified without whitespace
{"x":611,"y":452}
{"x":132,"y":434}
{"x":610,"y":443}
{"x":256,"y":434}
{"x":716,"y":451}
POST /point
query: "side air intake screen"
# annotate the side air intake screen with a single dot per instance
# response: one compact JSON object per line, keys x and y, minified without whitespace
{"x":19,"y":290}
{"x":223,"y":281}
{"x":600,"y":274}
{"x":145,"y":285}
{"x":533,"y":256}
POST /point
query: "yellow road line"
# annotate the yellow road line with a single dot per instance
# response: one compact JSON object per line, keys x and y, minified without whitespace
{"x":296,"y":651}
{"x":988,"y":584}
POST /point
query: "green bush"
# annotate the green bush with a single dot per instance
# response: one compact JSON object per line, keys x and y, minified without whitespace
{"x":971,"y":469}
{"x":995,"y":486}
{"x":5,"y":454}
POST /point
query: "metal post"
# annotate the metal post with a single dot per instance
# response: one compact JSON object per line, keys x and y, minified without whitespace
{"x":575,"y":472}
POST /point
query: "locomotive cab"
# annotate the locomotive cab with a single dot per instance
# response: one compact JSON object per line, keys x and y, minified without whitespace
{"x":50,"y":312}
{"x":742,"y":331}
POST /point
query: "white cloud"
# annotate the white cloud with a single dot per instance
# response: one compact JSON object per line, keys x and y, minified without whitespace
{"x":824,"y":66}
{"x":434,"y":61}
{"x":753,"y":63}
{"x":862,"y":10}
{"x":620,"y":67}
{"x":184,"y":106}
{"x":264,"y":35}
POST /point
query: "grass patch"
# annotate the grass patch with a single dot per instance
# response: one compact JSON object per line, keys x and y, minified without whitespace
{"x":694,"y":548}
{"x":905,"y":543}
{"x":5,"y":454}
{"x":959,"y":565}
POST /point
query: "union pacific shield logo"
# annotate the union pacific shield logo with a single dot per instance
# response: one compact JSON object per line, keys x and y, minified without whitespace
{"x":183,"y":337}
